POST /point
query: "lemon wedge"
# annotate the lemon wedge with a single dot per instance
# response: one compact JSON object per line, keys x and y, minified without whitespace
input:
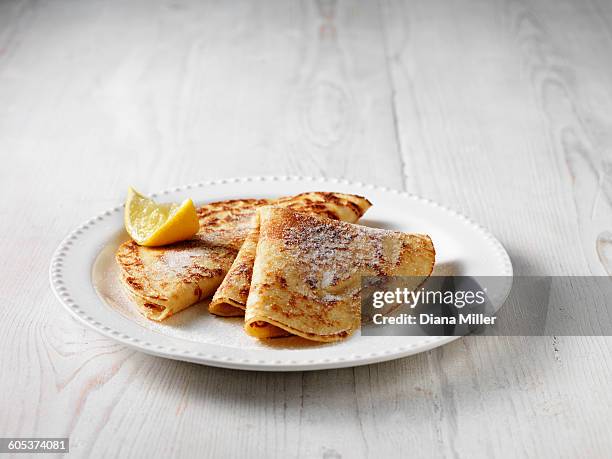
{"x":152,"y":224}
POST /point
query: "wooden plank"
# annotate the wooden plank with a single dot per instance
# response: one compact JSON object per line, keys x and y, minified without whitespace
{"x":99,"y":95}
{"x":499,"y":109}
{"x":488,"y":99}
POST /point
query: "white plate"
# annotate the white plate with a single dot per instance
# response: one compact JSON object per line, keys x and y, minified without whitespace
{"x":85,"y":278}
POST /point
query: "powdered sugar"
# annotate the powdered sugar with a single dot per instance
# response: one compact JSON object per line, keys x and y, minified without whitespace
{"x":328,"y":278}
{"x":331,"y":251}
{"x":176,"y":260}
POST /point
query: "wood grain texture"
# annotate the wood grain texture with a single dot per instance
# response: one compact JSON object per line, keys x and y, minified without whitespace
{"x":499,"y":109}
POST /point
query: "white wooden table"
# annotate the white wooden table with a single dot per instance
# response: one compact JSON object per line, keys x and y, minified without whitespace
{"x":500,"y":109}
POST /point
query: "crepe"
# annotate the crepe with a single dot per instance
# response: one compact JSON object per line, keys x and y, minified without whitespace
{"x":231,"y":296}
{"x":165,"y":280}
{"x":307,"y":273}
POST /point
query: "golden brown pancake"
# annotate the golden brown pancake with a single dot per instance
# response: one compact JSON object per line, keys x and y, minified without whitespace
{"x":165,"y":280}
{"x":307,"y":272}
{"x":231,"y":296}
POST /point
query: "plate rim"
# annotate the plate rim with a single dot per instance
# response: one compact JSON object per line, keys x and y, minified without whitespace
{"x":59,"y":288}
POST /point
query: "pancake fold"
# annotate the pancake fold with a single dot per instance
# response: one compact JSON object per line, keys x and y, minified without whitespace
{"x":231,"y":296}
{"x":165,"y":280}
{"x":307,"y":272}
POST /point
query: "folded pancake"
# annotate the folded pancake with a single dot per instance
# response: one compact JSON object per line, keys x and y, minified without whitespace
{"x":165,"y":280}
{"x":307,"y":272}
{"x":231,"y":296}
